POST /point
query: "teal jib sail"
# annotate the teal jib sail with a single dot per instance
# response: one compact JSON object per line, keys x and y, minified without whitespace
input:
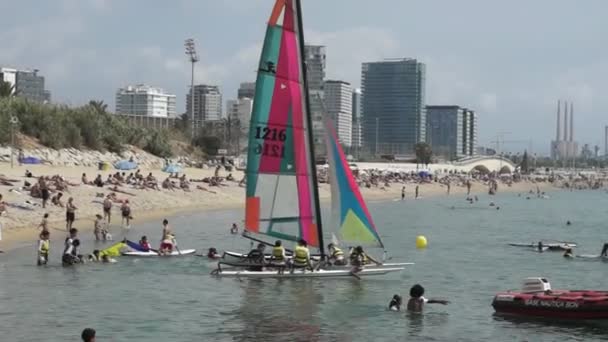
{"x":350,"y":214}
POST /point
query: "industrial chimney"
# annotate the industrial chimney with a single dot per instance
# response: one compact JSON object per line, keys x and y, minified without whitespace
{"x":558,"y":121}
{"x":605,"y":141}
{"x":565,"y":120}
{"x":571,"y":122}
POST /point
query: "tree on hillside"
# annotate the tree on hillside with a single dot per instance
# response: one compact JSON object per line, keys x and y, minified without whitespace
{"x":6,"y":89}
{"x":208,"y":143}
{"x":182,"y":124}
{"x":424,"y":153}
{"x":98,"y":106}
{"x":525,"y":164}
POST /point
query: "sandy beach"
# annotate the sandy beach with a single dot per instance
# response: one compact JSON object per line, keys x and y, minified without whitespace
{"x":20,"y":226}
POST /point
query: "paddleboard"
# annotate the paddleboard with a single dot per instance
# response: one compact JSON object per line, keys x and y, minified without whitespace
{"x":155,"y":254}
{"x":591,"y":256}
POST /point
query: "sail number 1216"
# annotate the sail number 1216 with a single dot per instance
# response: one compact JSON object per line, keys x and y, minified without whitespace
{"x":270,"y":136}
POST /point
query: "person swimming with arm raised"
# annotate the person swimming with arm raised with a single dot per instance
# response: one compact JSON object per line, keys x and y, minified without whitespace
{"x":417,"y":300}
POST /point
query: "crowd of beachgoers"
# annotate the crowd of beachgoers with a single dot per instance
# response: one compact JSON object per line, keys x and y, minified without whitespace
{"x":27,"y":194}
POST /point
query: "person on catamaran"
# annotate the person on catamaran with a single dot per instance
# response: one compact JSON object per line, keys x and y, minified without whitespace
{"x":358,"y":258}
{"x":395,"y":303}
{"x":417,"y":300}
{"x":213,"y":254}
{"x":301,"y":258}
{"x":144,"y":244}
{"x":256,"y":257}
{"x":336,"y":255}
{"x":278,"y":257}
{"x":43,"y":248}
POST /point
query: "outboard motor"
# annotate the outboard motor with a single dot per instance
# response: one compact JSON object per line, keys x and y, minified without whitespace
{"x":532,"y":285}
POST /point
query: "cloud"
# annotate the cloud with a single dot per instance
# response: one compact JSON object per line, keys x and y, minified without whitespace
{"x":348,"y":48}
{"x":488,"y":102}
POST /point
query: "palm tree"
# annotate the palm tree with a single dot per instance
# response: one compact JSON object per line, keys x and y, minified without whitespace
{"x":98,"y":106}
{"x":6,"y":89}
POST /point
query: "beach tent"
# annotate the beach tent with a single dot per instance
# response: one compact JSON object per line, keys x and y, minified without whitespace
{"x":104,"y":166}
{"x":172,"y":168}
{"x":125,"y":165}
{"x":29,"y":160}
{"x":423,"y":174}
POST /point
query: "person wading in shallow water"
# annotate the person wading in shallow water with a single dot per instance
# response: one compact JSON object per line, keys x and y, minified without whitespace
{"x":125,"y":209}
{"x":417,"y":301}
{"x":88,"y":335}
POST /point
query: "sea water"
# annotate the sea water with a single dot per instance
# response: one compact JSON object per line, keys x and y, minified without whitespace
{"x":175,"y":299}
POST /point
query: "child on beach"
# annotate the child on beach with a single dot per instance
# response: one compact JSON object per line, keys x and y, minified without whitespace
{"x":417,"y":301}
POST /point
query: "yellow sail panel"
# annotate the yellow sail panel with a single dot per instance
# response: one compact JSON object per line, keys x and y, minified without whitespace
{"x":353,"y":229}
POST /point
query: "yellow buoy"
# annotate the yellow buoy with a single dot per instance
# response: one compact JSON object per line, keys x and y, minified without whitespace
{"x":420,"y":242}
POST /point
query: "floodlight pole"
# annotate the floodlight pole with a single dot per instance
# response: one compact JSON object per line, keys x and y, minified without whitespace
{"x":191,"y":52}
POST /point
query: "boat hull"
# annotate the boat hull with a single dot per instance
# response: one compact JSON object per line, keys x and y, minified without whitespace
{"x":549,"y":246}
{"x":323,"y":273}
{"x":571,"y":305}
{"x":182,"y":252}
{"x":234,"y":259}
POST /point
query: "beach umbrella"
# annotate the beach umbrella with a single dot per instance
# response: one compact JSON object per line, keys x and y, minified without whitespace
{"x":125,"y":165}
{"x":29,"y":160}
{"x":172,"y":168}
{"x":423,"y":174}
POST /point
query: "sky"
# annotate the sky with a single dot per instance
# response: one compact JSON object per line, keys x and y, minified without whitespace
{"x":510,"y":61}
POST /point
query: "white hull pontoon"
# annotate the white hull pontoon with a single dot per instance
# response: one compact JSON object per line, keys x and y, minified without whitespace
{"x":323,"y":273}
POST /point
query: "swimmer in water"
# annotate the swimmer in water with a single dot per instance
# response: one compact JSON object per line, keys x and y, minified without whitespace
{"x":540,"y":246}
{"x":568,"y":253}
{"x":417,"y":300}
{"x":568,"y":223}
{"x":395,"y":303}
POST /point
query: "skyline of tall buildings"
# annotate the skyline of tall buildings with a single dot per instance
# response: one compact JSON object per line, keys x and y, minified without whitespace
{"x":144,"y":100}
{"x":394,"y":117}
{"x":246,"y":89}
{"x":391,"y":103}
{"x":356,"y":133}
{"x":338,"y":104}
{"x":207,"y":104}
{"x":452,"y":131}
{"x":27,"y":84}
{"x":315,"y":59}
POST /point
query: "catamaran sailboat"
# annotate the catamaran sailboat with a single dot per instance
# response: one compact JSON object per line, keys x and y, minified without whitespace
{"x":282,"y":198}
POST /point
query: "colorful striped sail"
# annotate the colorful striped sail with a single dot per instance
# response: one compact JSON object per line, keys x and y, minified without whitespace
{"x":349,"y":212}
{"x":280,"y":195}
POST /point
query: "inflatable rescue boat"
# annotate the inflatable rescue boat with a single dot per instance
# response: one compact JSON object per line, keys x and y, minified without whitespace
{"x":537,"y":299}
